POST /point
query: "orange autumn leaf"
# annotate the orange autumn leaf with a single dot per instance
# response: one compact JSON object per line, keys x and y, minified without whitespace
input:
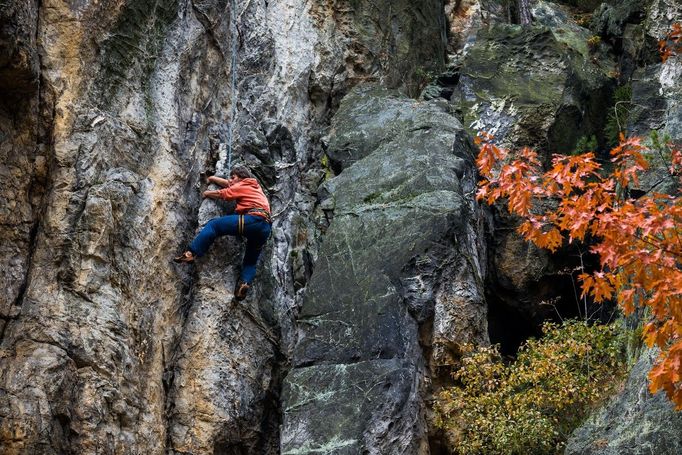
{"x":638,"y":241}
{"x":671,"y":44}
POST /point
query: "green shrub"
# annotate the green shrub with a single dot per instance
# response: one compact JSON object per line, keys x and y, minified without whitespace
{"x":593,"y":42}
{"x":586,"y":144}
{"x":532,"y":404}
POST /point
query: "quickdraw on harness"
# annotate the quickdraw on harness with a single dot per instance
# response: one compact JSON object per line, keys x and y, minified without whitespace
{"x":240,"y":225}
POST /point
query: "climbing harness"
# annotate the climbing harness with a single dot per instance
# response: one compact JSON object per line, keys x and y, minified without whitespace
{"x":257,"y":212}
{"x":261,"y":212}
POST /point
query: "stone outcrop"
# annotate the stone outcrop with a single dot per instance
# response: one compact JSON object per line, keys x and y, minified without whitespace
{"x":634,"y":422}
{"x":535,"y":86}
{"x":19,"y":60}
{"x":541,"y":86}
{"x":23,"y":168}
{"x":387,"y":41}
{"x":85,"y":360}
{"x":656,"y":105}
{"x":399,"y":257}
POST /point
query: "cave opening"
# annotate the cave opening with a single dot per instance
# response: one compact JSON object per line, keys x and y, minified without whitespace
{"x":514,"y":317}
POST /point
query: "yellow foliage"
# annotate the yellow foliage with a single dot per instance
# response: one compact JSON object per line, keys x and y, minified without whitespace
{"x":533,"y":403}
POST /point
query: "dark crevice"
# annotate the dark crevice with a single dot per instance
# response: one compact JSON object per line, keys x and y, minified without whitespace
{"x":168,"y":378}
{"x":31,"y":250}
{"x":515,"y":315}
{"x":208,"y":26}
{"x":33,"y":115}
{"x":509,"y":327}
{"x":4,"y":324}
{"x":258,"y":430}
{"x":272,"y":409}
{"x":186,"y":300}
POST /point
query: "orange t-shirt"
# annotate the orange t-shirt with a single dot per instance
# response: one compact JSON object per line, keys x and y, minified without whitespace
{"x":248,"y":194}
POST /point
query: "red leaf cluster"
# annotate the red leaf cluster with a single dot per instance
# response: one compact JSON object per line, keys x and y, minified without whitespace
{"x":639,"y":241}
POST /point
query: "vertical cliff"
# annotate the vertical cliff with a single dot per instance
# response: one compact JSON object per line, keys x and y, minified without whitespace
{"x":398,"y":285}
{"x":112,"y":112}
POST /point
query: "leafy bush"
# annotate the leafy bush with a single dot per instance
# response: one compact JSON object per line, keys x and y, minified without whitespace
{"x":593,"y":42}
{"x":586,"y":143}
{"x":638,"y":237}
{"x":533,"y":403}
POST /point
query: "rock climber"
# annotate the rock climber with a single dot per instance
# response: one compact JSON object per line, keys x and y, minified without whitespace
{"x":251,"y":220}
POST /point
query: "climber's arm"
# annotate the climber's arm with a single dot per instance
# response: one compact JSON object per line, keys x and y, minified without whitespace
{"x":219,"y":181}
{"x":227,"y":193}
{"x":212,"y":194}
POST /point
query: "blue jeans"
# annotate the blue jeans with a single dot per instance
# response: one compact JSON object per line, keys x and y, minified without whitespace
{"x":256,"y":231}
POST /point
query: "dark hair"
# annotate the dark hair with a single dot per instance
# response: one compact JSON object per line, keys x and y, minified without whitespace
{"x":241,"y":171}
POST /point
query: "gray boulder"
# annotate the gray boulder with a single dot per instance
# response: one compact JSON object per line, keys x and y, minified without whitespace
{"x":536,"y":86}
{"x":634,"y":422}
{"x":394,"y":261}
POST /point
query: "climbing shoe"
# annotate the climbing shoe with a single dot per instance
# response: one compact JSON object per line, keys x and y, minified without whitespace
{"x":240,"y":290}
{"x":187,"y":256}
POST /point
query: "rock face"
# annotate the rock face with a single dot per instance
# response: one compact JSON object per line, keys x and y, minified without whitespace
{"x":86,"y":359}
{"x":634,"y":422}
{"x":19,"y":61}
{"x":541,"y":86}
{"x":23,"y":167}
{"x":533,"y":86}
{"x":113,"y":110}
{"x":398,"y":257}
{"x":388,"y":41}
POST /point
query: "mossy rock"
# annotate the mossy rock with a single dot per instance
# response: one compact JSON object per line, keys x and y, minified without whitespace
{"x":340,"y":401}
{"x":633,"y":422}
{"x":534,"y":86}
{"x":398,"y":197}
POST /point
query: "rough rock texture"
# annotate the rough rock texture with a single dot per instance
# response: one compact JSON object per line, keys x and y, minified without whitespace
{"x":541,"y":86}
{"x":101,"y":304}
{"x":634,"y":422}
{"x":657,"y":99}
{"x":110,"y":112}
{"x":656,"y":105}
{"x":610,"y":20}
{"x":656,"y":93}
{"x":389,"y":41}
{"x":536,"y":85}
{"x":19,"y":61}
{"x":23,"y":167}
{"x":466,"y":17}
{"x":400,"y":255}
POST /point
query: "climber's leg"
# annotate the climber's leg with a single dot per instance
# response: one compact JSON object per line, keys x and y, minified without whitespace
{"x":217,"y":227}
{"x":257,"y":231}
